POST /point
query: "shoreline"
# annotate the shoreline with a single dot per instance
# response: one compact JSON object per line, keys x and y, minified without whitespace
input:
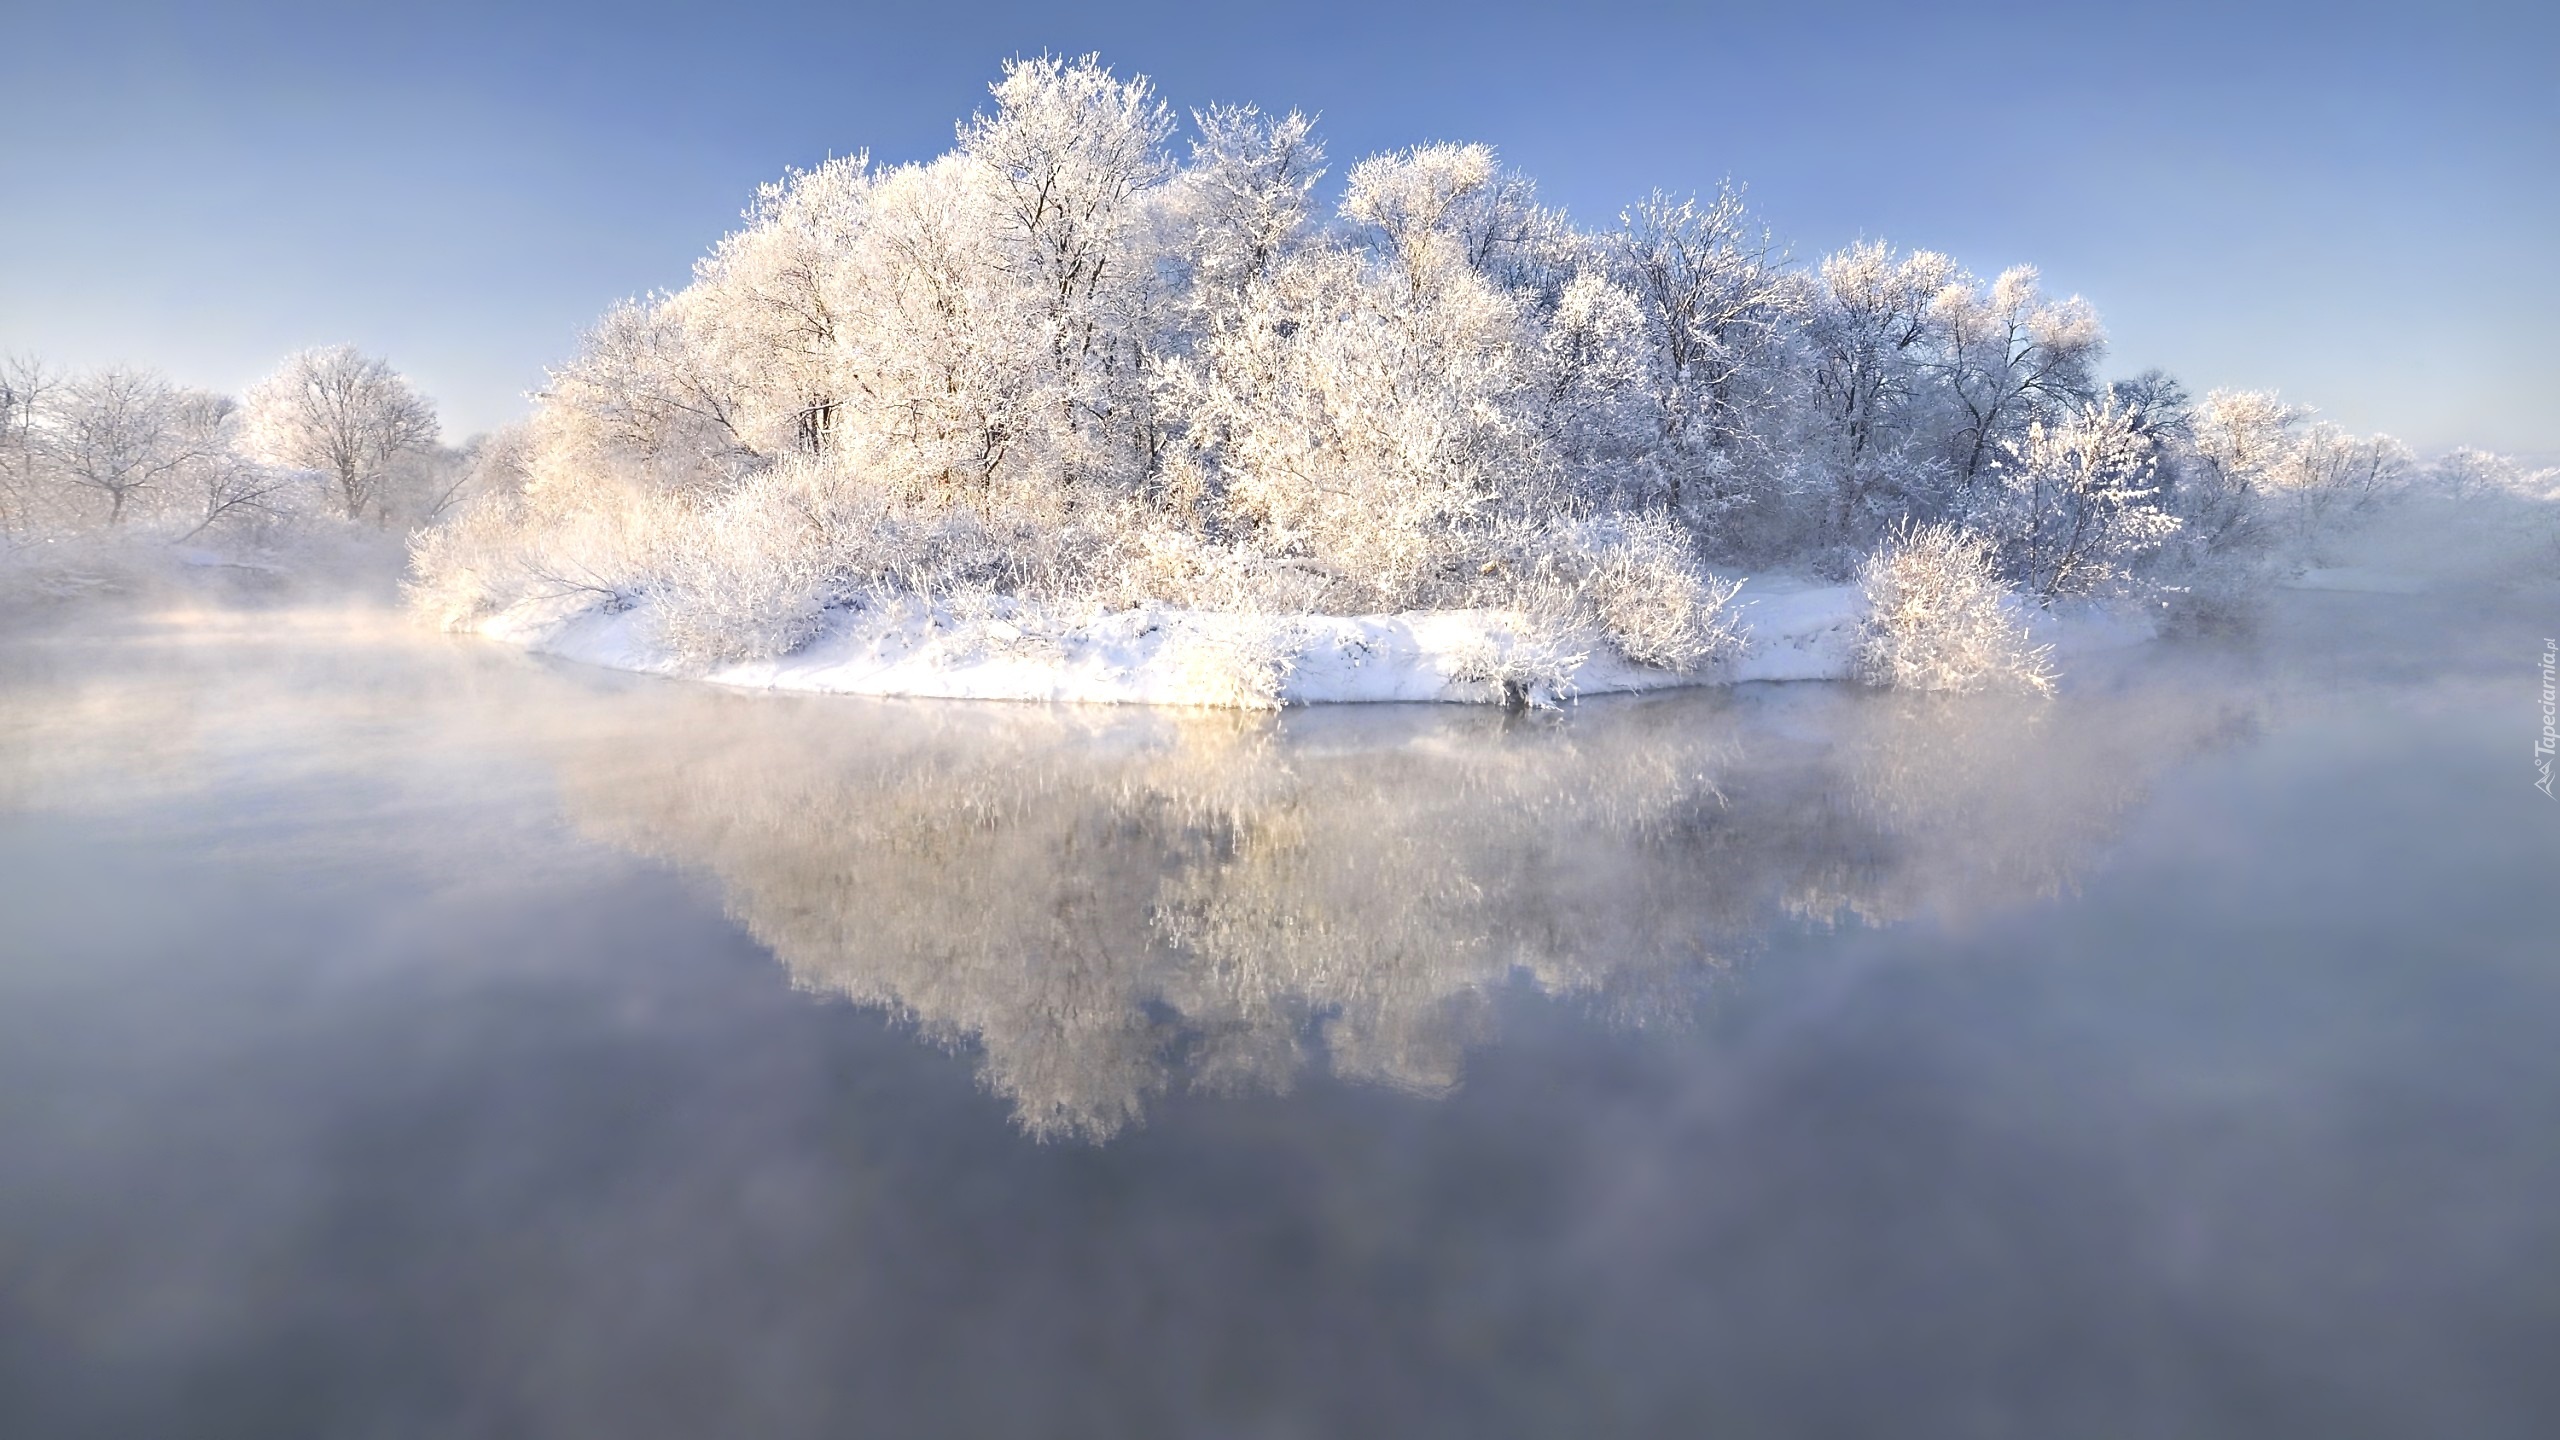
{"x":1161,"y":655}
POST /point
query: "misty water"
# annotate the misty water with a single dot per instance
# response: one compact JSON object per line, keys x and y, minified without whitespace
{"x":401,"y":1037}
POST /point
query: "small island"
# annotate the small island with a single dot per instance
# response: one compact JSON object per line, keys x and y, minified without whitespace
{"x":1059,"y":415}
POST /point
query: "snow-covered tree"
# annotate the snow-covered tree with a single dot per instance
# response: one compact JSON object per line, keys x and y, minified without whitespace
{"x":1412,"y":205}
{"x":1243,"y":201}
{"x":2241,"y":440}
{"x":115,"y":435}
{"x":1071,"y":157}
{"x":1718,"y":310}
{"x":27,"y":387}
{"x":1602,"y":408}
{"x":776,"y":324}
{"x":2331,"y":472}
{"x":1871,"y":335}
{"x":2010,"y":357}
{"x":648,"y":398}
{"x":2076,"y":502}
{"x":216,"y":486}
{"x":340,"y":413}
{"x":2465,"y":473}
{"x":1368,"y":428}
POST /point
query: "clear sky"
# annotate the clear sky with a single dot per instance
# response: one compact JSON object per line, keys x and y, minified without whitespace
{"x":2353,"y":204}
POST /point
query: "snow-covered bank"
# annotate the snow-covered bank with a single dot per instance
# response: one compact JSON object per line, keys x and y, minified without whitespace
{"x":1159,"y":655}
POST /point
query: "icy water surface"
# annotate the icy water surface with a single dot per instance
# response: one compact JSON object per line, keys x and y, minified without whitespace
{"x":401,"y":1038}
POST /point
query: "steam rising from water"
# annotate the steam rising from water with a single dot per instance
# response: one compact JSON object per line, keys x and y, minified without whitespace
{"x":1105,"y":905}
{"x":351,"y":1032}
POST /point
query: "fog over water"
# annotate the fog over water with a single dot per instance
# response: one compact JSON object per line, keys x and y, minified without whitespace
{"x":400,"y":1036}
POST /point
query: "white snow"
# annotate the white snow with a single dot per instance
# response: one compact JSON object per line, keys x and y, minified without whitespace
{"x":1798,"y":631}
{"x":1158,"y":655}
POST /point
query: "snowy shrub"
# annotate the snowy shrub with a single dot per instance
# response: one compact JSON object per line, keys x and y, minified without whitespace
{"x":469,"y":567}
{"x":1939,"y":618}
{"x":503,"y":550}
{"x":1525,"y":669}
{"x":1530,"y":651}
{"x":747,"y":578}
{"x":1139,"y":557}
{"x":1243,"y":666}
{"x":1650,"y":597}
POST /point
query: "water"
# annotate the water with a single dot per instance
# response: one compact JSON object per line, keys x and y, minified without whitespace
{"x":399,"y":1037}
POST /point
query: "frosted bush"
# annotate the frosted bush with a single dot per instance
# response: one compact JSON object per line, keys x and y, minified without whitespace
{"x":1939,"y":618}
{"x":1141,"y":557}
{"x":1532,"y":652}
{"x":750,"y":579}
{"x":468,"y":567}
{"x":505,"y":550}
{"x":1242,"y":665}
{"x":1650,"y":597}
{"x":1522,"y":669}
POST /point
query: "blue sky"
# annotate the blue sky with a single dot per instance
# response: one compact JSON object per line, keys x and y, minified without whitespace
{"x":2354,"y":204}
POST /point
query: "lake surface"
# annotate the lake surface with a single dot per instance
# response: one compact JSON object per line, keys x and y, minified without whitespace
{"x":400,"y":1037}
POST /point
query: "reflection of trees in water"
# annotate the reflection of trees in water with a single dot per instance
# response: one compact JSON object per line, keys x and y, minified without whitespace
{"x":1105,"y":904}
{"x":1101,"y":902}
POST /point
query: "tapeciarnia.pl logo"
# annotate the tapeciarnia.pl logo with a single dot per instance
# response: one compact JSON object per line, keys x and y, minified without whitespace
{"x":2544,"y":743}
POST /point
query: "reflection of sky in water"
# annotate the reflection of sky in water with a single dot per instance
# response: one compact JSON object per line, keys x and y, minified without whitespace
{"x":393,"y":1045}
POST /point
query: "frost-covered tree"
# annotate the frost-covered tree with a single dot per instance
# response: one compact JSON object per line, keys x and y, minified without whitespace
{"x":217,"y":486}
{"x":2465,"y":473}
{"x":2259,"y":461}
{"x":122,"y":449}
{"x":1718,"y":311}
{"x":646,"y":396}
{"x":1414,"y":207}
{"x":2331,"y":471}
{"x":1604,"y":412}
{"x":1368,"y":426}
{"x":2157,"y":405}
{"x":2011,"y":357}
{"x":1243,"y":201}
{"x":1870,"y":335}
{"x":345,"y":415}
{"x":2076,"y":502}
{"x":27,"y":387}
{"x":1070,"y":157}
{"x":781,"y":313}
{"x":116,"y":436}
{"x":2241,"y":441}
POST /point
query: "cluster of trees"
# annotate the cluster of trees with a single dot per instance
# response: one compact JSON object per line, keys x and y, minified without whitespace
{"x":1059,"y":359}
{"x":331,"y":433}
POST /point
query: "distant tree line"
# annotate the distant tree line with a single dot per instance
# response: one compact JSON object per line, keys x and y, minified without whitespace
{"x":331,"y":435}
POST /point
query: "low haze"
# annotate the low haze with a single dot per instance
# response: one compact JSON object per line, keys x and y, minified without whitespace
{"x":1323,"y":722}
